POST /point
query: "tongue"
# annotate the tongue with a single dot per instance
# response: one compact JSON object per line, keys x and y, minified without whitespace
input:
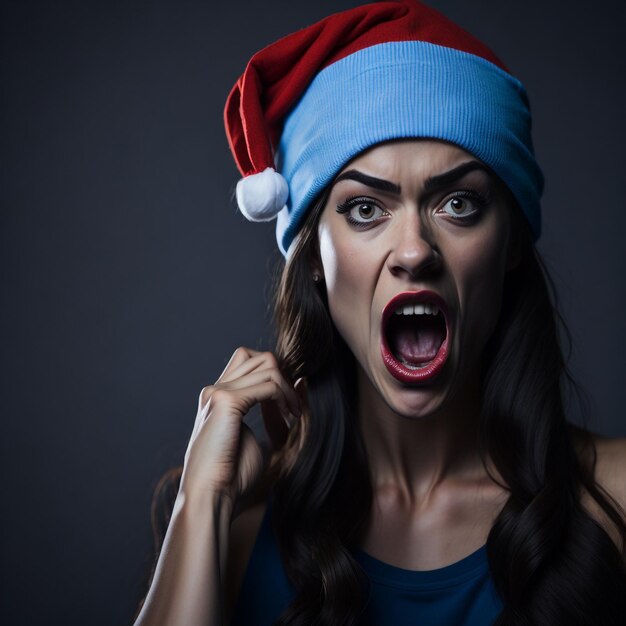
{"x":416,"y":339}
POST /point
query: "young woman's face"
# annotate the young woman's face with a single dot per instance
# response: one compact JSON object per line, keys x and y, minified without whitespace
{"x":419,"y":228}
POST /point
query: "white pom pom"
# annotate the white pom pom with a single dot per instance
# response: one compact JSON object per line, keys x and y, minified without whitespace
{"x":261,"y":196}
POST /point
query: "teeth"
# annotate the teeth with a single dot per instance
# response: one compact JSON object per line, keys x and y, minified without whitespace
{"x":418,"y":309}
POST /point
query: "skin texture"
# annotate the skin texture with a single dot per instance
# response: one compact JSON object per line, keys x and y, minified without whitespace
{"x":433,"y":501}
{"x":420,"y":438}
{"x":414,"y":245}
{"x":223,"y":462}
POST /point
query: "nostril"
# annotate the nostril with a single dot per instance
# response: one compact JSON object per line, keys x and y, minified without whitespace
{"x":416,"y":264}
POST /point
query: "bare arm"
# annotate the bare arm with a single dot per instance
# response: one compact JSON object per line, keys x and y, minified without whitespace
{"x":223,"y":463}
{"x":187,"y":584}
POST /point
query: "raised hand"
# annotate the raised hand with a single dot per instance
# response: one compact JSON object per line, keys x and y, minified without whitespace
{"x":223,"y":458}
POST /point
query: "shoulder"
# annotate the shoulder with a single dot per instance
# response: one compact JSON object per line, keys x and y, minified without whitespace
{"x":611,"y":467}
{"x":609,"y":473}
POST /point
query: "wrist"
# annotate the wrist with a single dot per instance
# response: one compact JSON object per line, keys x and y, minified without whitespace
{"x":204,"y":505}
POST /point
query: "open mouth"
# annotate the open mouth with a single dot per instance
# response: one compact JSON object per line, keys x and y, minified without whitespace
{"x":415,"y":336}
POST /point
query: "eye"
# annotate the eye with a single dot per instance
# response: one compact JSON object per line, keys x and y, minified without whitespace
{"x":464,"y":206}
{"x":361,"y":211}
{"x":365,"y":212}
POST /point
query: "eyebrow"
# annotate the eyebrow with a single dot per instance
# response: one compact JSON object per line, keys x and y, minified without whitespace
{"x":370,"y":181}
{"x":443,"y":180}
{"x":430,"y":185}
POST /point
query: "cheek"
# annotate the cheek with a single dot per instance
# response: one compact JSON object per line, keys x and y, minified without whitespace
{"x":346,"y":275}
{"x":330,"y":255}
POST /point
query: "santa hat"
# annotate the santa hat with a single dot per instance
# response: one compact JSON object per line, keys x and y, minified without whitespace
{"x":309,"y":103}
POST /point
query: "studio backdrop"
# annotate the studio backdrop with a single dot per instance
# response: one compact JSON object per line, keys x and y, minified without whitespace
{"x":128,"y":277}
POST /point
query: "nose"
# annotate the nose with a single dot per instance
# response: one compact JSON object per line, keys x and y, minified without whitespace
{"x":414,"y":252}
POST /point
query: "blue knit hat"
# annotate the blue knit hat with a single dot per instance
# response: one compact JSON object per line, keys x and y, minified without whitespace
{"x":309,"y":103}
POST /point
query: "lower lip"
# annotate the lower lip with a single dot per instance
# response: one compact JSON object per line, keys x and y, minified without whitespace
{"x":423,"y":374}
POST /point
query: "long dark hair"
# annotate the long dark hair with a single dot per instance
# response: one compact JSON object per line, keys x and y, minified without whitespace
{"x":551,"y":562}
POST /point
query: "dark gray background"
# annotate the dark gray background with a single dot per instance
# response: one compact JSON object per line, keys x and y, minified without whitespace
{"x":128,"y":278}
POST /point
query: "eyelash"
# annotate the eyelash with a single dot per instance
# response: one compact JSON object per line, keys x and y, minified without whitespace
{"x":351,"y":203}
{"x":480,"y":200}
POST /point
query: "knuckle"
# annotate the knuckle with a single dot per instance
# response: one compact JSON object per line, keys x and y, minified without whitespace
{"x":241,"y":351}
{"x":205,"y":394}
{"x":271,"y":359}
{"x":219,"y":396}
{"x":271,"y":375}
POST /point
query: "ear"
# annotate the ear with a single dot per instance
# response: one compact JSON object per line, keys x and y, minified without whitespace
{"x":315,"y":264}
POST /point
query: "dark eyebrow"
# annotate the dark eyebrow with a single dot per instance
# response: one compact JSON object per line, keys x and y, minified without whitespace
{"x":370,"y":181}
{"x":443,"y":180}
{"x":432,"y":184}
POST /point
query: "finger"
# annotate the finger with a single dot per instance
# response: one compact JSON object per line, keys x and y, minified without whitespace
{"x":226,"y":409}
{"x":278,"y":415}
{"x":228,"y":405}
{"x":261,"y":359}
{"x":235,"y":368}
{"x":266,"y":375}
{"x":240,"y":355}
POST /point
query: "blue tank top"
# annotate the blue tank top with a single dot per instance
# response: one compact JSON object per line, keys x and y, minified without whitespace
{"x":461,"y":594}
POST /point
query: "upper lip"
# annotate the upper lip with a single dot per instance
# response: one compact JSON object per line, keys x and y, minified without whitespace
{"x":424,"y":296}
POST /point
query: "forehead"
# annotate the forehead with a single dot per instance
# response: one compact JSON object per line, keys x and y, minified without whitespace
{"x":418,"y":158}
{"x":410,"y":163}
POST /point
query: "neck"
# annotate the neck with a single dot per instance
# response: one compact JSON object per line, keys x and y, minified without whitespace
{"x":415,"y":456}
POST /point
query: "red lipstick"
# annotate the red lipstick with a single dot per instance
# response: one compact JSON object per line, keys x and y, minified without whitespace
{"x":399,"y":370}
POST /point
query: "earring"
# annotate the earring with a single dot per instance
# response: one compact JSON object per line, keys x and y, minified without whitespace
{"x":316,"y":277}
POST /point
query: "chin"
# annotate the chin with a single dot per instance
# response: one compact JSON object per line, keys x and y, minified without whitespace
{"x":414,"y":402}
{"x":418,"y":403}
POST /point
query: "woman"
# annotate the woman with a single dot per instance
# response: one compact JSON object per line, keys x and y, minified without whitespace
{"x":420,"y":466}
